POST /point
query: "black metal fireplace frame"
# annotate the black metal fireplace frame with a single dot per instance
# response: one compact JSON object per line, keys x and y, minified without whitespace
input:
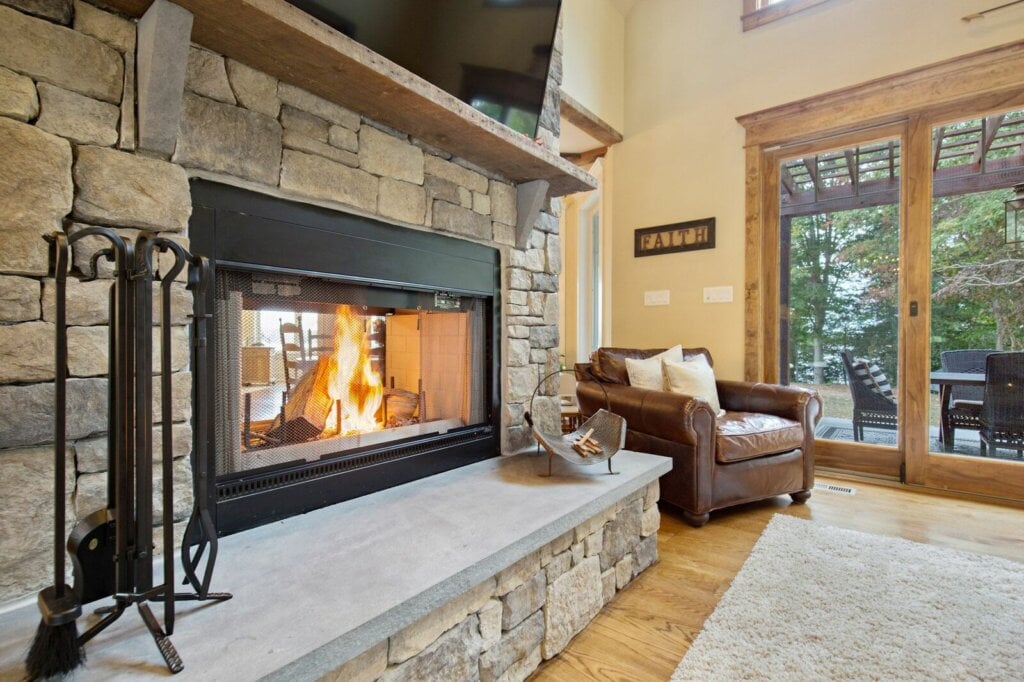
{"x":242,"y":230}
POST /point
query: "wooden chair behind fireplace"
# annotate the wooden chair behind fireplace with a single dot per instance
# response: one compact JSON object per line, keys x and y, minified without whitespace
{"x":296,"y":360}
{"x":293,"y":352}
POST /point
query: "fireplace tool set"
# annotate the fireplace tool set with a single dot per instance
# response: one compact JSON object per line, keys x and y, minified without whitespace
{"x":111,"y":550}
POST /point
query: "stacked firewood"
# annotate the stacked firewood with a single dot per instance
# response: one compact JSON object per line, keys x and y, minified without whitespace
{"x":586,"y":446}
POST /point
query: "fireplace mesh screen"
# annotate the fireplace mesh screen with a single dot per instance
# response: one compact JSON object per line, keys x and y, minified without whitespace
{"x":308,"y":368}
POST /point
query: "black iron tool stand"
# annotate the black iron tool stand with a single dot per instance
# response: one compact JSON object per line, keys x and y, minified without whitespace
{"x":112,"y":549}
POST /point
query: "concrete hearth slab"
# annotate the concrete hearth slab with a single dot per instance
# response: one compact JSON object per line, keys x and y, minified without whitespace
{"x":315,"y":590}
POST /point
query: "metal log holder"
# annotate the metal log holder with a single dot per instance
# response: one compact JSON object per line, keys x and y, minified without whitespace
{"x":605,"y":428}
{"x":112,"y":549}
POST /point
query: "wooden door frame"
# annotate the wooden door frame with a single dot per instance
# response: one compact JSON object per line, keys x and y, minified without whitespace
{"x":988,"y":80}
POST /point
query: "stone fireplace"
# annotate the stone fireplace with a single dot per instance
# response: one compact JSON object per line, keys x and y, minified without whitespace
{"x":433,"y":256}
{"x":69,"y":118}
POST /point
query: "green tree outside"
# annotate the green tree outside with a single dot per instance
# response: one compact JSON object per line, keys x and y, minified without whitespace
{"x":844,"y":272}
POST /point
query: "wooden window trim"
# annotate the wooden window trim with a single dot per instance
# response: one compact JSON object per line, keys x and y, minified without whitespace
{"x":753,"y":16}
{"x":988,"y":80}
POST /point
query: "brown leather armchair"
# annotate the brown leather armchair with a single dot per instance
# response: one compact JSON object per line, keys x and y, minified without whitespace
{"x":762,"y":447}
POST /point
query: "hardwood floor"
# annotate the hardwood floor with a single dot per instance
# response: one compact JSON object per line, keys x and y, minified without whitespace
{"x":645,"y":631}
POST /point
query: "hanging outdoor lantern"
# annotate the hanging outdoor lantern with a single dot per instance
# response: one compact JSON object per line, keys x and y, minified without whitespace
{"x":1015,"y":216}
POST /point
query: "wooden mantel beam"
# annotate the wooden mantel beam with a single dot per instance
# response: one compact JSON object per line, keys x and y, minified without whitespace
{"x":285,"y":42}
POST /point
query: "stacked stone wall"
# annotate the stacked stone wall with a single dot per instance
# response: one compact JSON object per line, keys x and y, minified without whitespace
{"x":502,"y":629}
{"x":68,"y":160}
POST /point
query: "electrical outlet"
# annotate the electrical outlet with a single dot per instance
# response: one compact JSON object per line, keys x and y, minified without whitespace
{"x":659,"y":297}
{"x":717,"y":294}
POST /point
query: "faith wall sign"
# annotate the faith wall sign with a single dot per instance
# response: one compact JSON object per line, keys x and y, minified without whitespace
{"x":691,"y":235}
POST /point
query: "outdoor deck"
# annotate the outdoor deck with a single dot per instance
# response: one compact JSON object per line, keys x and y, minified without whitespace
{"x":837,"y":424}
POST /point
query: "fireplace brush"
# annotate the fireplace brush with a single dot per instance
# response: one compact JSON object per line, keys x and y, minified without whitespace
{"x":112,"y":548}
{"x":56,"y":648}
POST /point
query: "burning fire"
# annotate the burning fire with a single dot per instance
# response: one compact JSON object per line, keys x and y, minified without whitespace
{"x":351,"y":379}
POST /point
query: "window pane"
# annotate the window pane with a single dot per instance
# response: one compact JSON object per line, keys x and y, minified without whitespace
{"x":977,"y":285}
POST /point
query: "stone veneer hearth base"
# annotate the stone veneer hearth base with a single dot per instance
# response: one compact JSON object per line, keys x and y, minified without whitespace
{"x":478,"y":573}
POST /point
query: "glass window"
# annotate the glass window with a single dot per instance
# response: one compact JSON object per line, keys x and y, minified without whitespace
{"x":759,"y":12}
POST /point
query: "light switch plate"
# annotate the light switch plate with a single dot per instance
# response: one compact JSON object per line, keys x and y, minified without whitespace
{"x":659,"y":297}
{"x":717,"y":294}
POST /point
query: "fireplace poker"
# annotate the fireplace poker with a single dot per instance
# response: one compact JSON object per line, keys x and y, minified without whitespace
{"x":200,"y":532}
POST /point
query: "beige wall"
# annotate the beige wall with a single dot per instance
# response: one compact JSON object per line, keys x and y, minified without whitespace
{"x":593,"y":59}
{"x":689,"y":72}
{"x":593,"y":62}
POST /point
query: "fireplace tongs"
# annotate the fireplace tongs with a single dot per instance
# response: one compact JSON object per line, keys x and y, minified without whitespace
{"x":112,"y":549}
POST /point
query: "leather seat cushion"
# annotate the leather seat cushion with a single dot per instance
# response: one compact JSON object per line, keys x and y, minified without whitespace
{"x":747,"y":435}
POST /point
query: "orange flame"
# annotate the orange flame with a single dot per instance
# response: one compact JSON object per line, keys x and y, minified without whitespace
{"x":351,"y":379}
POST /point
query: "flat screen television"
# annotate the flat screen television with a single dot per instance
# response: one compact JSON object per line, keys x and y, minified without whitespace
{"x":492,"y":54}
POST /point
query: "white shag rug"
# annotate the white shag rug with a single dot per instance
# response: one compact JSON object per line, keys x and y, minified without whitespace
{"x":814,"y":602}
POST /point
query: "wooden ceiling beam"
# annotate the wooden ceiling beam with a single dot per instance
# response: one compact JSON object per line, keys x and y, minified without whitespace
{"x":588,"y":121}
{"x":587,"y":158}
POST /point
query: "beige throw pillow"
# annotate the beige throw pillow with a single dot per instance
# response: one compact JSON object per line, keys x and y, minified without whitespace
{"x":647,"y":373}
{"x":694,"y":378}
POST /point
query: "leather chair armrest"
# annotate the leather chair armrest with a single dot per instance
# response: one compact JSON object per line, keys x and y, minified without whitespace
{"x":671,"y":416}
{"x":799,"y":404}
{"x":582,"y":371}
{"x":792,"y":402}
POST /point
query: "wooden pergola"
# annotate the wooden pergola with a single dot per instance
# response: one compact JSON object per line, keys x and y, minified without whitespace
{"x":970,"y":156}
{"x":978,"y":155}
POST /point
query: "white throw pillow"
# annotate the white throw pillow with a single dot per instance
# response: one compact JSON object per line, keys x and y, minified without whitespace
{"x":647,"y":373}
{"x":694,"y":378}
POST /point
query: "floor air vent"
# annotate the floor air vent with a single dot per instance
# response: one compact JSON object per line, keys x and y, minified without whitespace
{"x":838,"y":489}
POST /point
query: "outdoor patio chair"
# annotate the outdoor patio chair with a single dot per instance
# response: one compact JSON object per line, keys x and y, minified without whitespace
{"x":965,"y":401}
{"x":874,"y":404}
{"x":1002,"y":412}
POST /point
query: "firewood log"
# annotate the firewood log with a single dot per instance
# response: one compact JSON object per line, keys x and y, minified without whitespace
{"x":308,"y":405}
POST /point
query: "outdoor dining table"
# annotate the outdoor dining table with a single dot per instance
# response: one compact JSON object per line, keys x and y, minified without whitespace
{"x":946,"y":381}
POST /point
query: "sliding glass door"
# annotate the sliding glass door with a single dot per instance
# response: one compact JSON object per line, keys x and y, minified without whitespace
{"x":897,"y":278}
{"x":885,"y":268}
{"x":974,"y":412}
{"x":838,"y":331}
